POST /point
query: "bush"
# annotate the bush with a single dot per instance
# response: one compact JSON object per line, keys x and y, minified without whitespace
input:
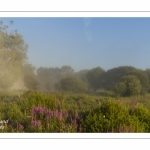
{"x":143,"y":114}
{"x":108,"y":117}
{"x":127,"y":86}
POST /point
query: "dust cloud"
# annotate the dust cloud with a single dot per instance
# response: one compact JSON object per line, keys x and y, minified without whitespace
{"x":18,"y":85}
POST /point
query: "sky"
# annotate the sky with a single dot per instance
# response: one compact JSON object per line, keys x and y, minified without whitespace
{"x":85,"y":43}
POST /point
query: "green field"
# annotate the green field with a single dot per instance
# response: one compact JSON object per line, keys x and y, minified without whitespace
{"x":59,"y":112}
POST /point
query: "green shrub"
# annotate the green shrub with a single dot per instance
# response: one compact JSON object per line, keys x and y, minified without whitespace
{"x":109,"y":116}
{"x":143,"y":114}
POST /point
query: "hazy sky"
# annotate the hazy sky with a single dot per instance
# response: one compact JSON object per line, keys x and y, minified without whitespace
{"x":85,"y":43}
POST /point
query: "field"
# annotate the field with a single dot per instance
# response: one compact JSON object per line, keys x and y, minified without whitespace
{"x":59,"y":112}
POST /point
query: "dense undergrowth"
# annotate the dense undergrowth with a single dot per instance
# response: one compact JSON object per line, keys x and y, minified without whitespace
{"x":52,"y":112}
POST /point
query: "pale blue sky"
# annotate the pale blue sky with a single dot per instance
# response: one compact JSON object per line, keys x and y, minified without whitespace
{"x":85,"y":43}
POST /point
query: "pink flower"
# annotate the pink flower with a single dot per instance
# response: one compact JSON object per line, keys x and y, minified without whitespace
{"x":20,"y":127}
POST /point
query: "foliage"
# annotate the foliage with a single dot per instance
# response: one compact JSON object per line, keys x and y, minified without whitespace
{"x":109,"y":115}
{"x":147,"y":71}
{"x":35,"y":111}
{"x":112,"y":76}
{"x":48,"y":77}
{"x":112,"y":116}
{"x":29,"y":78}
{"x":143,"y":114}
{"x":143,"y":78}
{"x":94,"y":77}
{"x":12,"y":55}
{"x":128,"y":85}
{"x":72,"y":84}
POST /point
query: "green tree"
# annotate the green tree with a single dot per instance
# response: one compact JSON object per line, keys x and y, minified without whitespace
{"x":12,"y":55}
{"x":82,"y":75}
{"x":143,"y":78}
{"x":128,"y":85}
{"x":72,"y":84}
{"x":112,"y":76}
{"x":66,"y":71}
{"x":94,"y":77}
{"x":120,"y":88}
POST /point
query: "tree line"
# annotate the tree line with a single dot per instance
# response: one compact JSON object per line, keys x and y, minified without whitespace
{"x":122,"y":80}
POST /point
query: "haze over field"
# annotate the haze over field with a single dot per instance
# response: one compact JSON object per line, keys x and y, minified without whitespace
{"x":85,"y":43}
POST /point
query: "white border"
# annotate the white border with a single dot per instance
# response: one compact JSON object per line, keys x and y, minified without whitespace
{"x":75,"y":135}
{"x":75,"y":14}
{"x":74,"y":5}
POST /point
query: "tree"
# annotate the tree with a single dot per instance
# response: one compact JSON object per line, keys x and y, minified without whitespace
{"x":66,"y":71}
{"x":82,"y":75}
{"x":71,"y":84}
{"x":94,"y":77}
{"x":29,"y":78}
{"x":128,"y":85}
{"x":47,"y":77}
{"x":120,"y":88}
{"x":28,"y":68}
{"x":143,"y":78}
{"x":12,"y":55}
{"x":112,"y":76}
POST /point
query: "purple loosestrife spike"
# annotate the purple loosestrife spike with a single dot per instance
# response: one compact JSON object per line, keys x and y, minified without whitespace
{"x":41,"y":110}
{"x":32,"y":123}
{"x":52,"y":113}
{"x":21,"y":127}
{"x":49,"y":113}
{"x":121,"y":129}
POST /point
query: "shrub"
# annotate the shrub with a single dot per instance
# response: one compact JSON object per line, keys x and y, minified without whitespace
{"x":143,"y":114}
{"x":108,"y":117}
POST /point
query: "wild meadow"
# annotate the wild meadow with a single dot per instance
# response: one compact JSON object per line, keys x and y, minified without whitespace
{"x":59,"y":112}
